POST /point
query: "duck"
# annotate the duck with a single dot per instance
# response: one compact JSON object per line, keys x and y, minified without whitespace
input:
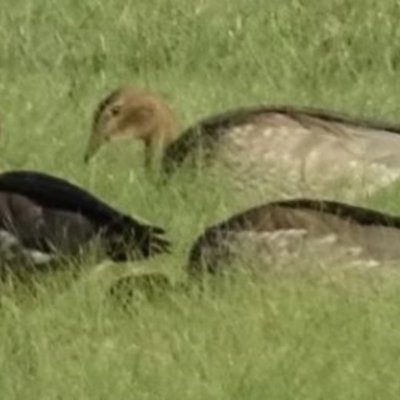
{"x":284,"y":230}
{"x":292,"y":151}
{"x":46,"y":220}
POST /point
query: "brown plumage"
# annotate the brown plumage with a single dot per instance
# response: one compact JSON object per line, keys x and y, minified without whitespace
{"x":292,"y":150}
{"x":131,"y":113}
{"x":275,"y":230}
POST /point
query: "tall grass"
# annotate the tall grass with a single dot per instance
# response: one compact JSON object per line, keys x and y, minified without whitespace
{"x":290,"y":336}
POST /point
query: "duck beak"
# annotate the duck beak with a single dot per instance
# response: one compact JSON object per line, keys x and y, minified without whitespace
{"x":94,"y":144}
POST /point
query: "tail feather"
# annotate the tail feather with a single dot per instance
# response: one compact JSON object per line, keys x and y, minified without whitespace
{"x":127,"y":238}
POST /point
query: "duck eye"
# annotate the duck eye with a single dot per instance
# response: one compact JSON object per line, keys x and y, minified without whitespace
{"x":114,"y":111}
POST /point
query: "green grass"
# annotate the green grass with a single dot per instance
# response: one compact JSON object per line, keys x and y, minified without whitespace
{"x":291,"y":336}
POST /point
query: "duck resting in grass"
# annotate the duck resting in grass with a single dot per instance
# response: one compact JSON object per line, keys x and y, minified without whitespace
{"x":281,"y":234}
{"x":285,"y":229}
{"x":45,"y":219}
{"x":293,"y":151}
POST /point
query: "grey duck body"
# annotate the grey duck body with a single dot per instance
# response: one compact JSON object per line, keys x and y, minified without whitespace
{"x":294,"y":152}
{"x":285,"y":228}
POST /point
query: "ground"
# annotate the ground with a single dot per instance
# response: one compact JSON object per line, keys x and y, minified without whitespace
{"x":290,"y":336}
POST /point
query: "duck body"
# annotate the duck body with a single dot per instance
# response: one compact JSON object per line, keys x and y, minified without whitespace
{"x":280,"y":229}
{"x":43,"y":218}
{"x":291,"y":151}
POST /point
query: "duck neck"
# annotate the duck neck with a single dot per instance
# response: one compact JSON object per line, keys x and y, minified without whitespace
{"x":154,"y":151}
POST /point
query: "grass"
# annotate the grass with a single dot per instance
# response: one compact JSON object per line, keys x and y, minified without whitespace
{"x":291,"y":336}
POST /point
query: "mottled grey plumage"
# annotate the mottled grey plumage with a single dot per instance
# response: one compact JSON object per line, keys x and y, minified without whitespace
{"x":284,"y":228}
{"x":297,"y":151}
{"x":44,"y":218}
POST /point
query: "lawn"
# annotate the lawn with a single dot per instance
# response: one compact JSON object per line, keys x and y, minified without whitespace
{"x":305,"y":333}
